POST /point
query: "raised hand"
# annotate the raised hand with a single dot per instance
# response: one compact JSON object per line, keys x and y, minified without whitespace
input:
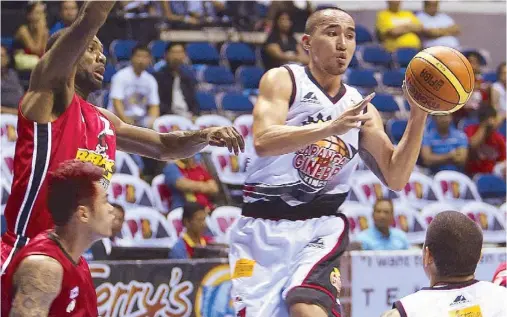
{"x":351,"y":117}
{"x":226,"y":137}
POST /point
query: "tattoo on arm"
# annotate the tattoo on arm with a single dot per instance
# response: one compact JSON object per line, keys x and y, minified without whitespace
{"x":372,"y":164}
{"x":36,"y":284}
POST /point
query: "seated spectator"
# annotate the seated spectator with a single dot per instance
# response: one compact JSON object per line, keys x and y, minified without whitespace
{"x":68,"y":14}
{"x":439,"y":29}
{"x":444,"y":147}
{"x":487,"y":145}
{"x":31,"y":37}
{"x":480,"y":94}
{"x":208,"y":12}
{"x":190,"y":181}
{"x":498,"y":91}
{"x":101,"y":249}
{"x":299,"y":11}
{"x":281,"y":47}
{"x":194,"y":223}
{"x":177,"y":11}
{"x":382,"y":236}
{"x":176,"y":84}
{"x":398,"y":28}
{"x":134,"y":92}
{"x":12,"y":91}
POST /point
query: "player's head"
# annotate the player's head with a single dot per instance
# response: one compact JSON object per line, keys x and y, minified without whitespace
{"x":500,"y":73}
{"x":330,"y":39}
{"x":68,"y":11}
{"x":175,"y":54}
{"x":475,"y":61}
{"x":119,"y":218}
{"x":194,"y":218}
{"x":431,"y":7}
{"x":91,"y":65}
{"x":383,"y":214}
{"x":282,"y":23}
{"x":141,"y":57}
{"x":443,"y":122}
{"x":78,"y":202}
{"x":394,"y":6}
{"x":452,"y":247}
{"x":35,"y":11}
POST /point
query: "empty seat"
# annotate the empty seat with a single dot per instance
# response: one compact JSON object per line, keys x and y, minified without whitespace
{"x":489,"y":77}
{"x":393,"y":78}
{"x":202,"y":53}
{"x":236,"y":102}
{"x":249,"y":76}
{"x":122,"y":49}
{"x":502,"y":128}
{"x":206,"y":101}
{"x":7,"y":42}
{"x":404,"y":55}
{"x":362,"y":78}
{"x":354,"y":62}
{"x":490,"y":186}
{"x":218,"y":75}
{"x":363,"y":35}
{"x":377,"y":56}
{"x":109,"y":73}
{"x":385,"y":103}
{"x":238,"y":54}
{"x":395,"y":129}
{"x":158,"y":48}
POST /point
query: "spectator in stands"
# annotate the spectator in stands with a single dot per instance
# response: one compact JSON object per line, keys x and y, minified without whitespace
{"x":134,"y":92}
{"x":194,"y":222}
{"x":190,"y":181}
{"x":444,"y":147}
{"x":398,"y":28}
{"x":101,"y":249}
{"x":177,"y":11}
{"x":12,"y":91}
{"x":68,"y":14}
{"x":382,"y":236}
{"x":281,"y":47}
{"x":439,"y":29}
{"x":487,"y":145}
{"x":176,"y":84}
{"x":498,"y":91}
{"x":299,"y":11}
{"x":208,"y":12}
{"x":31,"y":37}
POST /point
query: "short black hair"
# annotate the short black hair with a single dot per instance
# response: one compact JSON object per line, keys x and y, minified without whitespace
{"x":473,"y":53}
{"x":381,"y":200}
{"x":173,"y":44}
{"x":485,"y":112}
{"x":118,"y":206}
{"x":455,"y":241}
{"x":311,"y":22}
{"x":189,"y":209}
{"x":140,"y":47}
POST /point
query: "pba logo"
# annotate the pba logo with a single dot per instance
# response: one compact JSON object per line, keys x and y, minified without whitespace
{"x":146,"y":229}
{"x":213,"y":298}
{"x":9,"y":131}
{"x":335,"y":279}
{"x":320,"y":161}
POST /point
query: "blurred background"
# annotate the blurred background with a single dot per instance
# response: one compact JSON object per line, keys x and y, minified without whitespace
{"x":183,"y":65}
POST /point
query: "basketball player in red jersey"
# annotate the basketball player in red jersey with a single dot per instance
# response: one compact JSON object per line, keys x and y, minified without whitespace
{"x":49,"y":277}
{"x":55,"y":123}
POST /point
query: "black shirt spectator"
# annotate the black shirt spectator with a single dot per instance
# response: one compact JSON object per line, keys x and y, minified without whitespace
{"x":12,"y":91}
{"x":176,"y":84}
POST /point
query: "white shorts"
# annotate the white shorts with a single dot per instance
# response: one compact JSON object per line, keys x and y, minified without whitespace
{"x":275,"y":264}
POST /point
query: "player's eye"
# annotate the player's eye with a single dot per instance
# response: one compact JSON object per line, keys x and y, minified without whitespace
{"x":351,"y":36}
{"x":331,"y":33}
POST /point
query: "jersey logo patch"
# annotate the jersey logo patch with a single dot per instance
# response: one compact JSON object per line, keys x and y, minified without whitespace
{"x":310,"y":98}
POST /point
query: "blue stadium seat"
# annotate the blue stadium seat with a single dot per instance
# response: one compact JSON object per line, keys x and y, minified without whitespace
{"x":362,"y":78}
{"x":490,"y":186}
{"x":385,"y":103}
{"x":7,"y":42}
{"x":363,"y":35}
{"x":108,"y":74}
{"x":395,"y":129}
{"x":238,"y":54}
{"x":158,"y":49}
{"x":354,"y":62}
{"x":236,"y":102}
{"x":206,"y":101}
{"x":122,"y":49}
{"x":377,"y":56}
{"x":489,"y":77}
{"x":203,"y":53}
{"x":502,"y":128}
{"x":405,"y":55}
{"x":393,"y":78}
{"x":218,"y":75}
{"x":249,"y":76}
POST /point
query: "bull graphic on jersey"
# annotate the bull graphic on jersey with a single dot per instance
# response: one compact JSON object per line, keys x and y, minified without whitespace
{"x":102,"y":146}
{"x":320,"y":161}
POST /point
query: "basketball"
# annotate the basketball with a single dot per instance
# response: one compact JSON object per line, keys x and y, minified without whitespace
{"x":440,"y":79}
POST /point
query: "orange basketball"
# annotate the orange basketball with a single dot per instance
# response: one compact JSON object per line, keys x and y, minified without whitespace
{"x":440,"y":79}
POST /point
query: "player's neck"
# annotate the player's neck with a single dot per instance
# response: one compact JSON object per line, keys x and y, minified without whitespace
{"x":331,"y":84}
{"x":81,"y":92}
{"x":195,"y":237}
{"x":440,"y":281}
{"x":73,"y":244}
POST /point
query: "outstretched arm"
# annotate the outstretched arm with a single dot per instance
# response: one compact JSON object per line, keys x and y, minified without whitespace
{"x":392,"y":166}
{"x":173,"y":145}
{"x":37,"y":282}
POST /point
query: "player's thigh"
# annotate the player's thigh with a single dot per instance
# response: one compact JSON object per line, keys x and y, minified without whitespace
{"x":316,"y":277}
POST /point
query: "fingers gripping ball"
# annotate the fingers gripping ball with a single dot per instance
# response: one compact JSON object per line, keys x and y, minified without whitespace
{"x":440,"y":79}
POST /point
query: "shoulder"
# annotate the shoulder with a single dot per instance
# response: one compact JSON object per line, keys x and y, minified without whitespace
{"x":383,"y":14}
{"x":277,"y":80}
{"x":40,"y":269}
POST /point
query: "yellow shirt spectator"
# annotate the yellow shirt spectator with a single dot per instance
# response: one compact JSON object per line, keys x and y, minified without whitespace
{"x":397,"y":29}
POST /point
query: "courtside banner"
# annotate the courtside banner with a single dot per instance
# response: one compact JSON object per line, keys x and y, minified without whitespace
{"x":379,"y":278}
{"x":197,"y":288}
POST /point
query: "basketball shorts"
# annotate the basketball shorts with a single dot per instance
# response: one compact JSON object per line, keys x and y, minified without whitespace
{"x":275,"y":264}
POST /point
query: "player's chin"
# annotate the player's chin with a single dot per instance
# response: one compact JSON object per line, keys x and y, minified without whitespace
{"x":96,"y":84}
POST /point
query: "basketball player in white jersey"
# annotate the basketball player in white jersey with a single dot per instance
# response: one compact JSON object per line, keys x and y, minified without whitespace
{"x":450,"y":255}
{"x":309,"y":128}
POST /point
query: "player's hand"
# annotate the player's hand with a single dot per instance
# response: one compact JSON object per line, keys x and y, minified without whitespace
{"x":415,"y":107}
{"x":351,"y":117}
{"x":225,"y":137}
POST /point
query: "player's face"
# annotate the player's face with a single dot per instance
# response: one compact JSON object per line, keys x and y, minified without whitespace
{"x":332,"y":44}
{"x":91,"y":67}
{"x":383,"y":215}
{"x":102,"y":215}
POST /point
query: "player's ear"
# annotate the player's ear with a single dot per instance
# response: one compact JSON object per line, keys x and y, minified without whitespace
{"x":427,"y":257}
{"x":305,"y":40}
{"x":83,"y":213}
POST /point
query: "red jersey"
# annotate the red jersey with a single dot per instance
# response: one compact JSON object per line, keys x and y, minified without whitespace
{"x":491,"y":151}
{"x":81,"y":132}
{"x":77,"y":295}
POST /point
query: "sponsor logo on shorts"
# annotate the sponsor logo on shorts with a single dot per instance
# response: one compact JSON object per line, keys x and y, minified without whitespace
{"x":335,"y":279}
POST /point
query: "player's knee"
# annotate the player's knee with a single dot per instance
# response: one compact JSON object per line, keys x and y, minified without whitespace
{"x":307,"y":310}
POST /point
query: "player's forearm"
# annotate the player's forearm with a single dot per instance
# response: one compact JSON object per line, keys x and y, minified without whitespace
{"x":182,"y":144}
{"x":280,"y":139}
{"x":405,"y":155}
